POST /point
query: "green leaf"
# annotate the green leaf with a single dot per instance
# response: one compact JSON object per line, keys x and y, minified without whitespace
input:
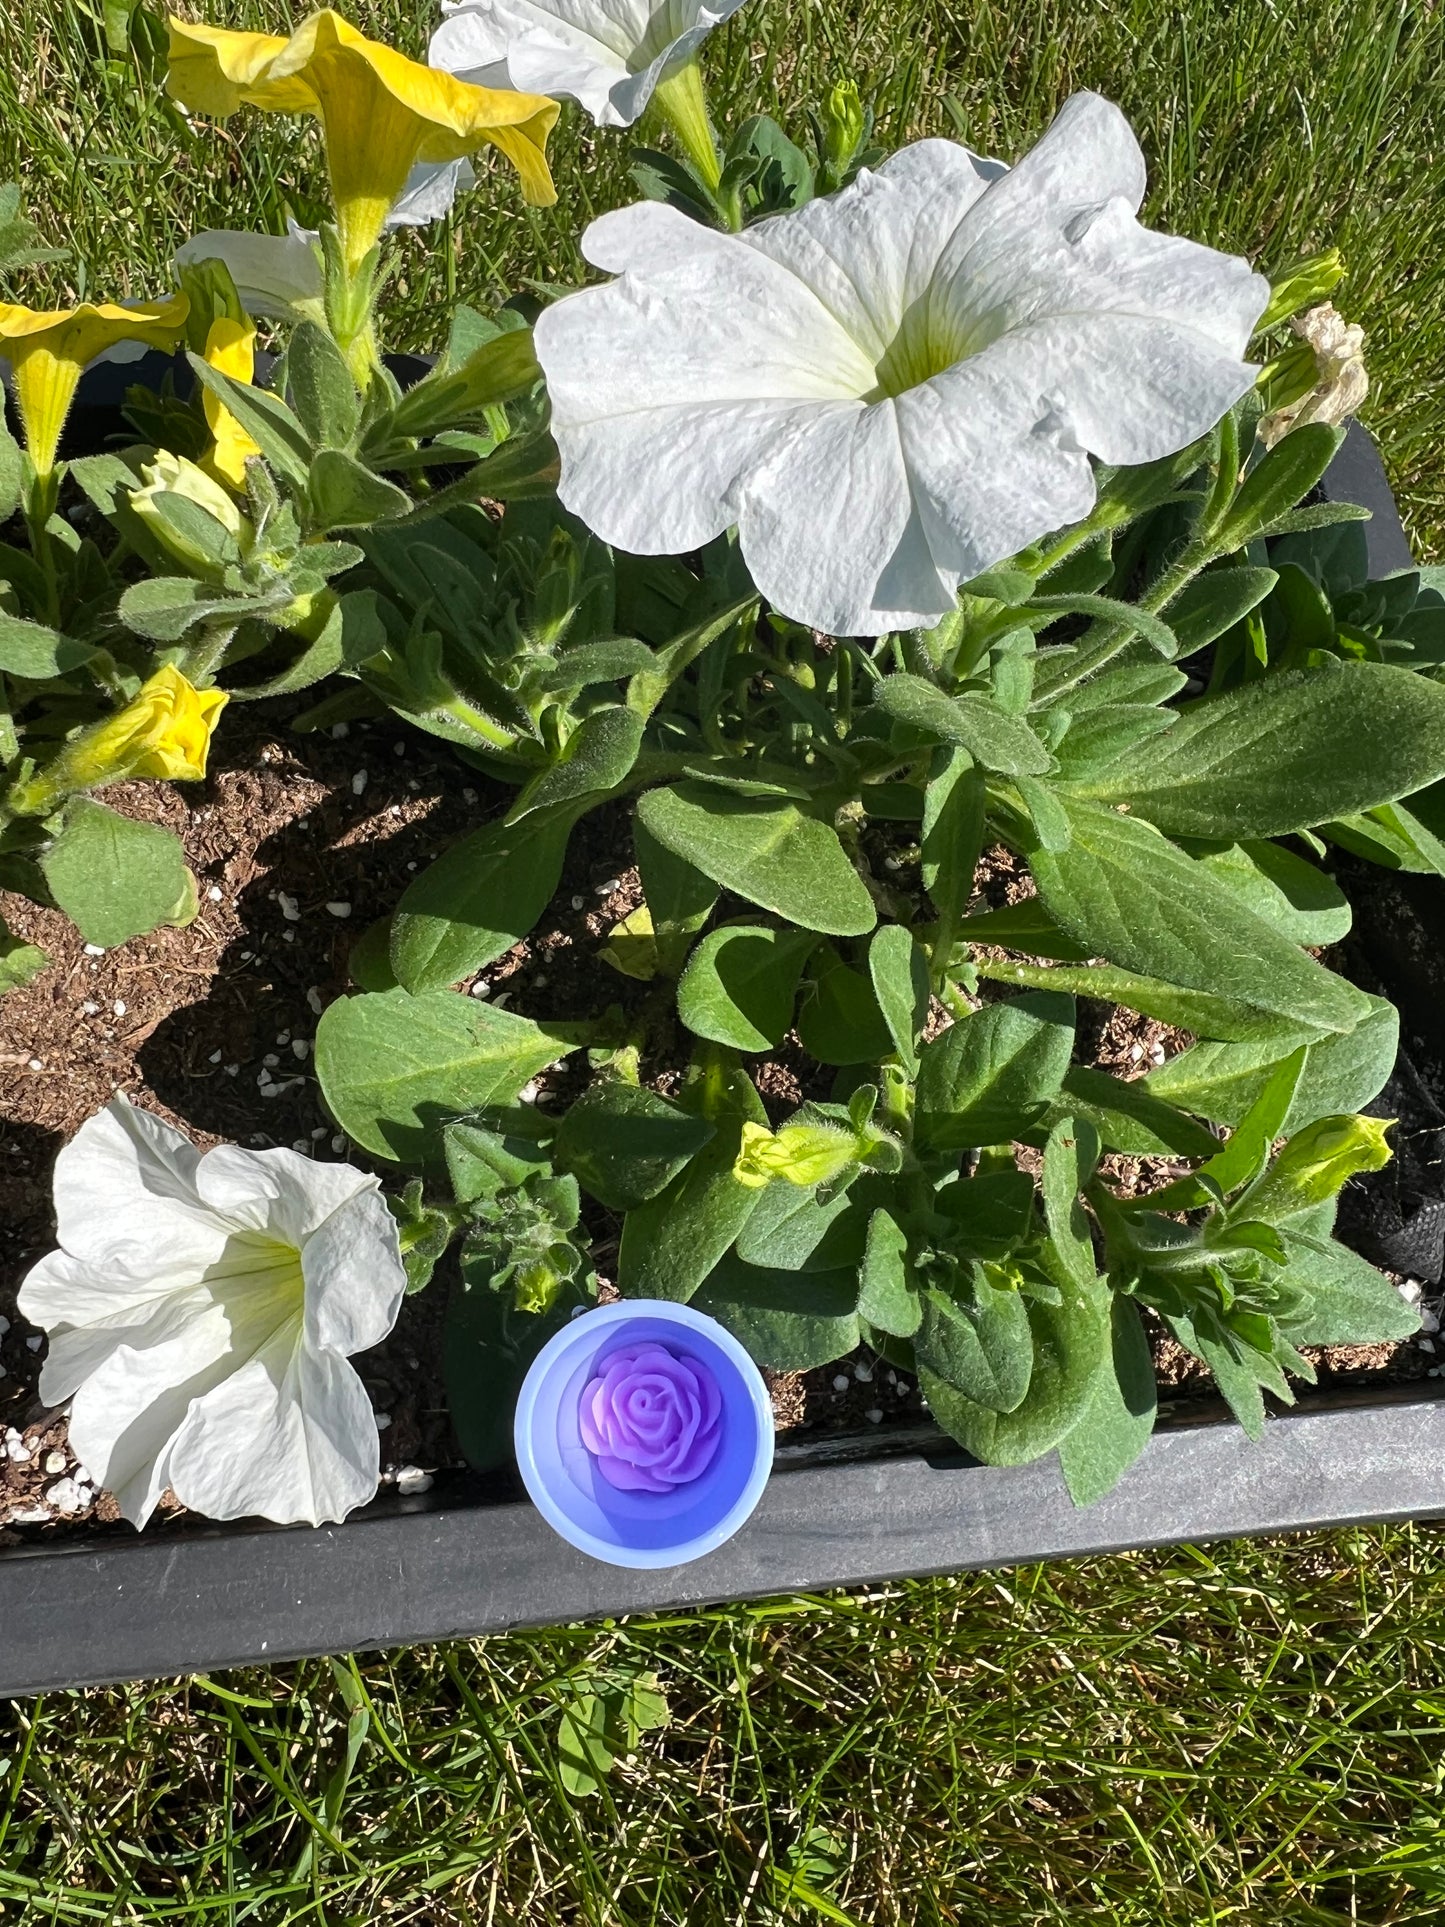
{"x":1068,"y":1341}
{"x":164,"y":608}
{"x":765,"y":850}
{"x":989,"y":1076}
{"x":839,"y":1021}
{"x":1114,"y":1427}
{"x":671,"y":1243}
{"x":597,"y":756}
{"x":1243,"y":1157}
{"x":487,"y":1348}
{"x":1071,"y":1156}
{"x":584,"y":1757}
{"x":1127,"y":615}
{"x":478,"y":899}
{"x":625,"y":1143}
{"x":1341,"y":1073}
{"x":481,"y":1162}
{"x":992,"y":1212}
{"x":953,"y":818}
{"x":30,"y":650}
{"x":899,"y":970}
{"x":265,"y":418}
{"x":994,"y":740}
{"x":740,"y":982}
{"x":978,"y":1340}
{"x":1292,"y":896}
{"x":788,"y":1322}
{"x":494,"y":372}
{"x":344,"y":494}
{"x":1350,"y":1303}
{"x":395,"y":1068}
{"x":1214,"y":602}
{"x":886,"y":1299}
{"x":20,"y":962}
{"x":1025,"y":926}
{"x":113,"y":877}
{"x":1127,"y":894}
{"x":791,"y":1230}
{"x":1098,"y":736}
{"x":679,"y":898}
{"x":610,"y":660}
{"x":1127,"y":1116}
{"x":1285,"y":753}
{"x":1272,"y":488}
{"x":12,"y":474}
{"x":323,"y":394}
{"x":1194,"y":1010}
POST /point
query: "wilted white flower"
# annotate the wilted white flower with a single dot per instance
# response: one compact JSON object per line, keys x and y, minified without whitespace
{"x":281,"y":275}
{"x":1341,"y":383}
{"x":893,"y":389}
{"x":277,"y":275}
{"x":608,"y":55}
{"x":200,"y":1312}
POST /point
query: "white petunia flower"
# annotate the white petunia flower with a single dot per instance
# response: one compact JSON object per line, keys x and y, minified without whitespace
{"x":895,"y":388}
{"x":608,"y":55}
{"x":200,"y":1312}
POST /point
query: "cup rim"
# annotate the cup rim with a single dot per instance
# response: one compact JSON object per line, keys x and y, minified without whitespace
{"x":597,"y":1320}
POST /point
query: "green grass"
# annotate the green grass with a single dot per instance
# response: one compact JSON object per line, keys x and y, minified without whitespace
{"x":1249,"y":1735}
{"x":1246,"y":1735}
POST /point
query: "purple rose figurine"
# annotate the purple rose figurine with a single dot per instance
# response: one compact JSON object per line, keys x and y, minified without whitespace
{"x":644,"y":1433}
{"x":651,"y":1418}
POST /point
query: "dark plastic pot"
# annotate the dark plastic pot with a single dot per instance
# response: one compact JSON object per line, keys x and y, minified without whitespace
{"x":474,"y":1556}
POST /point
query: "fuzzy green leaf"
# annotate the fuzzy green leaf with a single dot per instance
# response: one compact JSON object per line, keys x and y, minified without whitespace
{"x":766,"y":850}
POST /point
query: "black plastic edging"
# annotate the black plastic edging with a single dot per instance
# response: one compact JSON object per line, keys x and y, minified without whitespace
{"x":134,"y":1608}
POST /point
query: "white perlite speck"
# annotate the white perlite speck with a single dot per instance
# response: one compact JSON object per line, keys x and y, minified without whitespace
{"x":290,"y":908}
{"x":339,"y":909}
{"x":411,"y":1478}
{"x":66,"y":1496}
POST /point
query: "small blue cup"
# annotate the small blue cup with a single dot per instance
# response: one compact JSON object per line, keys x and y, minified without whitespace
{"x":643,"y":1529}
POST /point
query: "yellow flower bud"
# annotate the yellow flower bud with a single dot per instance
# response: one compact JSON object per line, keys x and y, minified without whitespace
{"x":173,"y":475}
{"x":800,"y":1153}
{"x":164,"y":730}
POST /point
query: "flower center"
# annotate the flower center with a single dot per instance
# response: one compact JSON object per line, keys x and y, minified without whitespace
{"x":259,"y":1284}
{"x":929,"y":339}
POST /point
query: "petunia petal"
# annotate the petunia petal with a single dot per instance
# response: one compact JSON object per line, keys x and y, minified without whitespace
{"x":870,"y":252}
{"x":277,"y":1192}
{"x":822,"y":567}
{"x":289,"y":1437}
{"x":126,"y":1414}
{"x":608,"y":55}
{"x":355,"y":1278}
{"x":126,"y":1177}
{"x":273,"y":273}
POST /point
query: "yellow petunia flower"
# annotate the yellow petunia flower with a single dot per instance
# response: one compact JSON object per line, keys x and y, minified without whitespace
{"x":380,"y":112}
{"x":164,"y":731}
{"x":231,"y":347}
{"x":48,"y":348}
